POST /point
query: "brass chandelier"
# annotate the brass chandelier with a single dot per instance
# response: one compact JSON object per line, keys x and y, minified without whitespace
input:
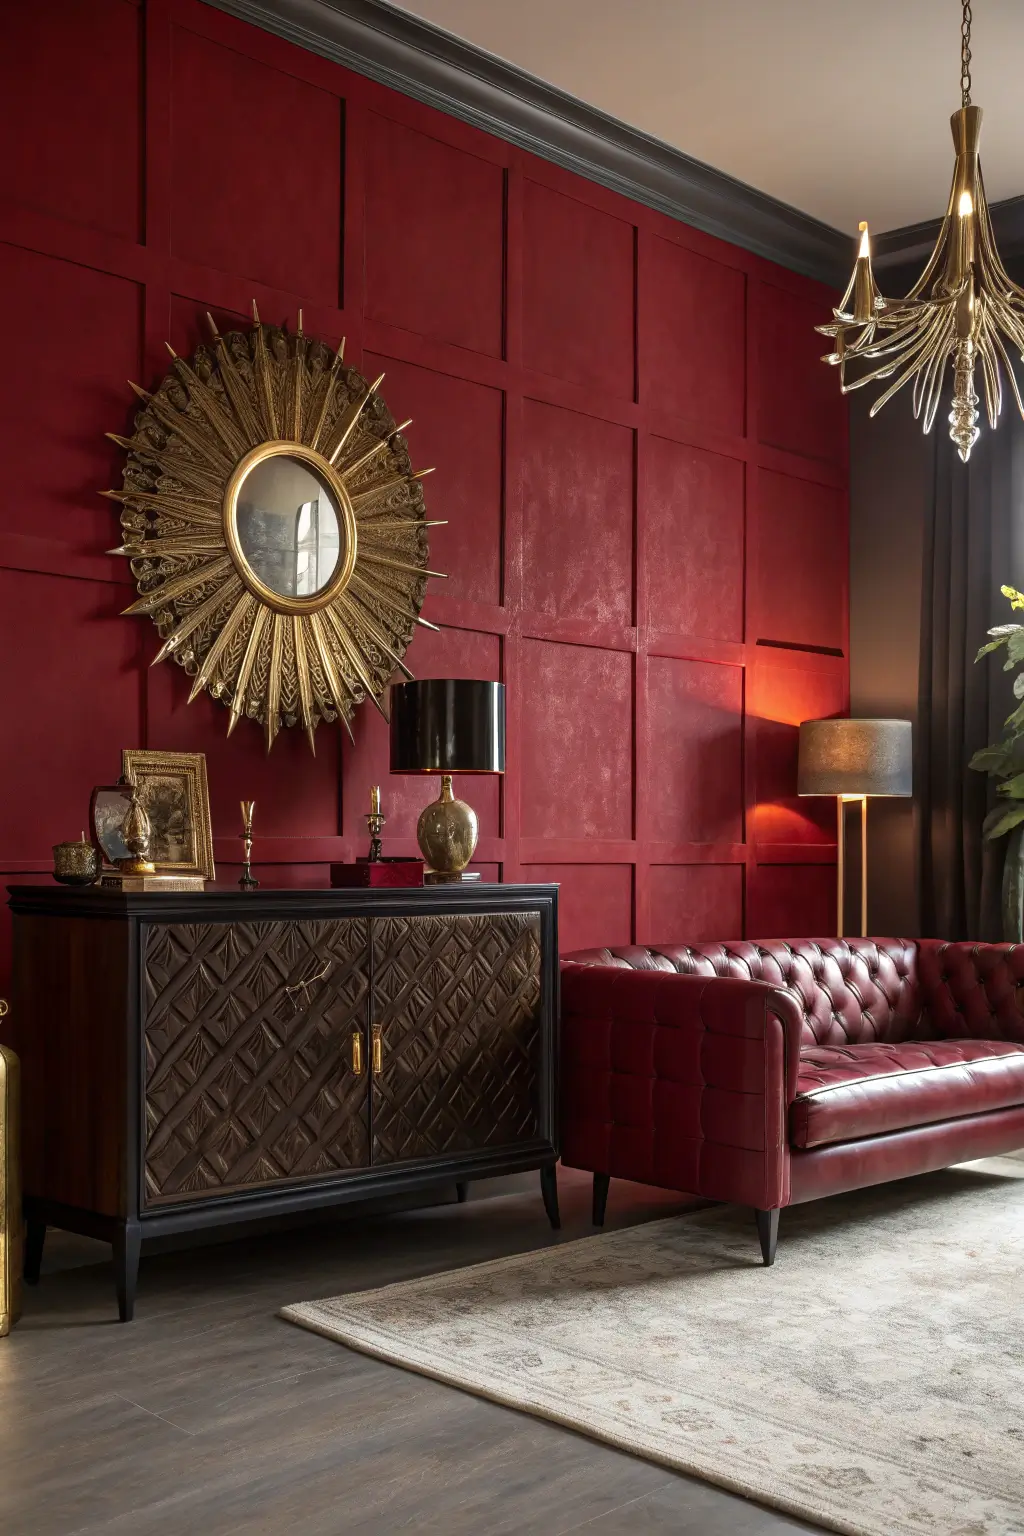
{"x":964,"y":307}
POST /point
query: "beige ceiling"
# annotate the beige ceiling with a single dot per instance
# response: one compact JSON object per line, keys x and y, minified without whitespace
{"x":838,"y":107}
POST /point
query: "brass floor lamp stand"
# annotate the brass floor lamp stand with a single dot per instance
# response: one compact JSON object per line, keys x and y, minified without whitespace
{"x":842,"y":801}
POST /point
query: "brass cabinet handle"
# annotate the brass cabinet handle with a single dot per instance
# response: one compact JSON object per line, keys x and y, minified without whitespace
{"x":357,"y":1052}
{"x":378,"y":1049}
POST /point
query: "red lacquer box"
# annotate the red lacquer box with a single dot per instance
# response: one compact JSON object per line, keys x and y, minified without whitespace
{"x":382,"y":874}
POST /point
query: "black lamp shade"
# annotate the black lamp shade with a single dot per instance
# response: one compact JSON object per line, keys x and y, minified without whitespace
{"x":855,"y":757}
{"x":448,"y":725}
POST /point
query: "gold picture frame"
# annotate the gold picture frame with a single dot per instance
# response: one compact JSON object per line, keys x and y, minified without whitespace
{"x":276,"y":528}
{"x":173,"y":790}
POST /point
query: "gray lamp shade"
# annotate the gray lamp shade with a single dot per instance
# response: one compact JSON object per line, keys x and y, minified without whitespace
{"x":448,"y":725}
{"x":855,"y":757}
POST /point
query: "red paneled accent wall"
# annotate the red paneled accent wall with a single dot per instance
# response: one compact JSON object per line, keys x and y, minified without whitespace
{"x":642,"y":462}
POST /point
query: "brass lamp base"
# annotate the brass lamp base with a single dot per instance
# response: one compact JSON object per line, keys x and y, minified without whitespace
{"x":447,"y":834}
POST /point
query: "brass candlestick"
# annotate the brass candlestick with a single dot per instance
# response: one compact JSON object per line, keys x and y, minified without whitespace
{"x":375,"y":823}
{"x":247,"y":881}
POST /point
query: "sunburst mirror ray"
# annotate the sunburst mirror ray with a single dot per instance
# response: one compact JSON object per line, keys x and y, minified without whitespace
{"x":275,"y":528}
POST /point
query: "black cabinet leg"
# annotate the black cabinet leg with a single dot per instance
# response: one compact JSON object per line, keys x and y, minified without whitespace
{"x":549,"y":1189}
{"x":35,"y":1237}
{"x":768,"y":1233}
{"x":462,"y":1192}
{"x":601,"y":1183}
{"x":127,"y":1244}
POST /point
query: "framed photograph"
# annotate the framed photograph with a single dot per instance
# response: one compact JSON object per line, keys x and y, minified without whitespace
{"x":172,"y":788}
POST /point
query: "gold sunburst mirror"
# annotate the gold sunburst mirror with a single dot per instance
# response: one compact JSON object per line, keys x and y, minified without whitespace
{"x":275,"y":527}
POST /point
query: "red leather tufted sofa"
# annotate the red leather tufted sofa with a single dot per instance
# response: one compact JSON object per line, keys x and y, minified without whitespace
{"x":775,"y":1072}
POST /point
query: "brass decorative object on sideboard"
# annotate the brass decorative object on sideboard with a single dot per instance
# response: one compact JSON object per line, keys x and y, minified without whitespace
{"x":275,"y":528}
{"x":76,"y":863}
{"x":247,"y":880}
{"x":10,"y":1186}
{"x":238,"y":1055}
{"x":136,"y":834}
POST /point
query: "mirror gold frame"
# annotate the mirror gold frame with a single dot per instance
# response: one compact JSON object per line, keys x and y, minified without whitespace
{"x":340,"y":577}
{"x":278,"y":659}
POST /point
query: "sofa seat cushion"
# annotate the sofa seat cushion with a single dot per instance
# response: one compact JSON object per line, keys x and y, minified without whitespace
{"x":848,"y":1092}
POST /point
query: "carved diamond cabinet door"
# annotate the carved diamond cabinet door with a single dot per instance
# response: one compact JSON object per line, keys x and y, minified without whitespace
{"x":248,"y":1054}
{"x":457,"y":1003}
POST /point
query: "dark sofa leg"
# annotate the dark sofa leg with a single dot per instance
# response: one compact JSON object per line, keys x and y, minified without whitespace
{"x":549,"y":1190}
{"x":601,"y":1183}
{"x":768,"y":1233}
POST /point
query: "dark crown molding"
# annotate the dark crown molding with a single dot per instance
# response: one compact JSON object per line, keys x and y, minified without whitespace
{"x":420,"y":60}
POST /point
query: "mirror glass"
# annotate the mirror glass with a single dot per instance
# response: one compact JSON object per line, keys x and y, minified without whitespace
{"x":289,"y":528}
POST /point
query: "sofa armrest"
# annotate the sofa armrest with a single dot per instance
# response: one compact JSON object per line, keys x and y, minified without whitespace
{"x":679,"y":1081}
{"x":972,"y":991}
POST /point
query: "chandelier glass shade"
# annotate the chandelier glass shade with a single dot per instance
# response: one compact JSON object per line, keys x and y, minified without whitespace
{"x":964,"y":309}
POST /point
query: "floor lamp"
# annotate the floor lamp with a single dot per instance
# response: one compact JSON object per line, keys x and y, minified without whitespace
{"x":853,"y":760}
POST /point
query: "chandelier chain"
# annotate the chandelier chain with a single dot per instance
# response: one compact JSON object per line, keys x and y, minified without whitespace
{"x":965,"y":55}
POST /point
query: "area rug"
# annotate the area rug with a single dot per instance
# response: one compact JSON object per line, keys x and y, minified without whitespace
{"x":871,"y":1382}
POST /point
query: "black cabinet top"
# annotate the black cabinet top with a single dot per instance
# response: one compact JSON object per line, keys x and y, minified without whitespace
{"x":224,"y":904}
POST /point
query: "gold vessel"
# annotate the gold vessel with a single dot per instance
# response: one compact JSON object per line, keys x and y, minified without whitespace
{"x":135,"y":834}
{"x":447,"y":833}
{"x":76,"y":863}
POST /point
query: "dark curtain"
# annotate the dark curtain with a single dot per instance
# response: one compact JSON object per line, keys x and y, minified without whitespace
{"x":972,"y":545}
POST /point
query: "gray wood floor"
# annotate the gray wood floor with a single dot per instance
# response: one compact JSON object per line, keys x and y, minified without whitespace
{"x":209,"y":1414}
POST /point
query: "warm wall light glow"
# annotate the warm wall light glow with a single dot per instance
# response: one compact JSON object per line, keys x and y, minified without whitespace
{"x":966,"y":203}
{"x":865,"y":243}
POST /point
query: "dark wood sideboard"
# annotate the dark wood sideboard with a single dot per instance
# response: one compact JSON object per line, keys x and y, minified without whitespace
{"x":195,"y":1060}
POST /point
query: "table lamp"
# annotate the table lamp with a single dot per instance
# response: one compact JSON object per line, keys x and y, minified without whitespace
{"x":447,"y":725}
{"x":854,"y":759}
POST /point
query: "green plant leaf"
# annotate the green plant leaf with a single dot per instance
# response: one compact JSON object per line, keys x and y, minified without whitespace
{"x":995,"y":760}
{"x":1002,"y":820}
{"x":993,"y":645}
{"x":1015,"y":645}
{"x":1013,"y":788}
{"x":1003,"y":631}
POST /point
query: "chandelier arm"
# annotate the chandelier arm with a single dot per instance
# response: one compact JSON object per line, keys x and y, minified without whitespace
{"x":989,"y":370}
{"x":934,"y":260}
{"x":931,"y":389}
{"x":894,"y":338}
{"x":928,"y":386}
{"x":894,"y":388}
{"x":1013,"y":325}
{"x":865,"y":339}
{"x":1010,"y":372}
{"x":844,"y":301}
{"x":990,"y":382}
{"x":908,"y":354}
{"x":913,"y":357}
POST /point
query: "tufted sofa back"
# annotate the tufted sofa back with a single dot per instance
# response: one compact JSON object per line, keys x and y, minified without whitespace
{"x":850,"y":991}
